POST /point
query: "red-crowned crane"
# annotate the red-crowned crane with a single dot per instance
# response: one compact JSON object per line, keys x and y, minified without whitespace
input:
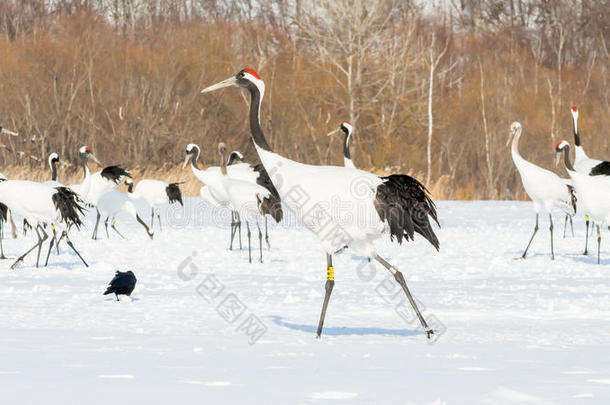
{"x":155,"y":193}
{"x":593,"y":190}
{"x":545,"y":188}
{"x":245,"y":198}
{"x":582,"y":164}
{"x":40,"y":204}
{"x":111,"y":203}
{"x":373,"y":203}
{"x":214,"y":192}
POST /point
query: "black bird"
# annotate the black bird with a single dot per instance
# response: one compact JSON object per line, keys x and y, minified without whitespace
{"x":123,"y":283}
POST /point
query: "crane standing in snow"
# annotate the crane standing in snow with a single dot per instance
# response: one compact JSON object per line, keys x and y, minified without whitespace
{"x":397,"y":202}
{"x":155,"y":193}
{"x":593,"y":190}
{"x":545,"y":188}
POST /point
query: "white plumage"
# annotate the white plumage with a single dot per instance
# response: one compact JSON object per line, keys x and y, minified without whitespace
{"x":593,"y":190}
{"x":545,"y":188}
{"x":154,"y":193}
{"x":39,"y":204}
{"x":342,"y":206}
{"x":112,"y":203}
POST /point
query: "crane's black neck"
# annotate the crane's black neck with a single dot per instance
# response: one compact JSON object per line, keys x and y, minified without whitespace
{"x":195,"y":159}
{"x":83,"y":160}
{"x":233,"y":158}
{"x":53,"y":170}
{"x":576,"y":136}
{"x":255,"y":125}
{"x":346,"y":152}
{"x":566,"y":158}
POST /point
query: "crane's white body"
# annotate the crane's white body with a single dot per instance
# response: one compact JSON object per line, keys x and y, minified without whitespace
{"x":32,"y":200}
{"x":113,"y":202}
{"x":152,"y":191}
{"x":214,"y":190}
{"x":97,"y":188}
{"x":244,"y":197}
{"x":593,"y":195}
{"x":82,"y":188}
{"x":336,"y":203}
{"x":545,"y":188}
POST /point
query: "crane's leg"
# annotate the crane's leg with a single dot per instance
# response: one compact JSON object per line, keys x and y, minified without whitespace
{"x":117,"y":296}
{"x":531,"y":239}
{"x":159,"y":219}
{"x":97,"y":222}
{"x":114,"y":227}
{"x":148,"y":231}
{"x":238,"y":227}
{"x":249,"y":245}
{"x":69,"y":242}
{"x":586,"y":236}
{"x":599,"y":243}
{"x":551,"y":229}
{"x":44,"y":238}
{"x":54,"y":239}
{"x":401,"y":280}
{"x":260,"y":242}
{"x":152,"y":217}
{"x":572,"y":226}
{"x":267,"y":234}
{"x":233,"y":229}
{"x":2,"y":257}
{"x":26,"y":226}
{"x":565,"y":225}
{"x":328,"y":288}
{"x":20,"y":259}
{"x":106,"y":227}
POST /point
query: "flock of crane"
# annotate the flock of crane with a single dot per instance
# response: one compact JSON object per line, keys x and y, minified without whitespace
{"x":371,"y":205}
{"x":587,"y":190}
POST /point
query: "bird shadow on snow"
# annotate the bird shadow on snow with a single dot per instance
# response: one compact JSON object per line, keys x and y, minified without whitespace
{"x":343,"y":330}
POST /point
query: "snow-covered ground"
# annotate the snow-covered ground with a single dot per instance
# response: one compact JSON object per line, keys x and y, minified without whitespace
{"x":205,"y":326}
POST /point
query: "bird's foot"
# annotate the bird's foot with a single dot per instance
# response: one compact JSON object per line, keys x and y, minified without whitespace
{"x":429,"y":333}
{"x":17,"y":262}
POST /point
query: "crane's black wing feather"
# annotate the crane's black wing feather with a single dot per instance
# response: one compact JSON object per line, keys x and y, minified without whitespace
{"x":173,"y":193}
{"x":67,"y":202}
{"x":602,"y":169}
{"x":404,"y":203}
{"x":115,"y":173}
{"x":271,"y":205}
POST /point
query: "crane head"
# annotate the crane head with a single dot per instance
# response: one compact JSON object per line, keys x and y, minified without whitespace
{"x":559,"y":147}
{"x":574,"y":112}
{"x":515,"y":128}
{"x":192,"y":152}
{"x":222,"y":148}
{"x":85,"y":152}
{"x":246,"y":78}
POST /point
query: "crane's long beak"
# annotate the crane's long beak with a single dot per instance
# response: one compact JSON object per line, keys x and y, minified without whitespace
{"x":92,"y":156}
{"x":557,"y":157}
{"x":7,"y":132}
{"x":333,"y":132}
{"x":231,"y":81}
{"x":510,"y":137}
{"x":186,"y":161}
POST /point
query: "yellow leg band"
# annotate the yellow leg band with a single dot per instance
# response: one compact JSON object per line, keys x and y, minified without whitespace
{"x":330,"y":274}
{"x":587,"y":217}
